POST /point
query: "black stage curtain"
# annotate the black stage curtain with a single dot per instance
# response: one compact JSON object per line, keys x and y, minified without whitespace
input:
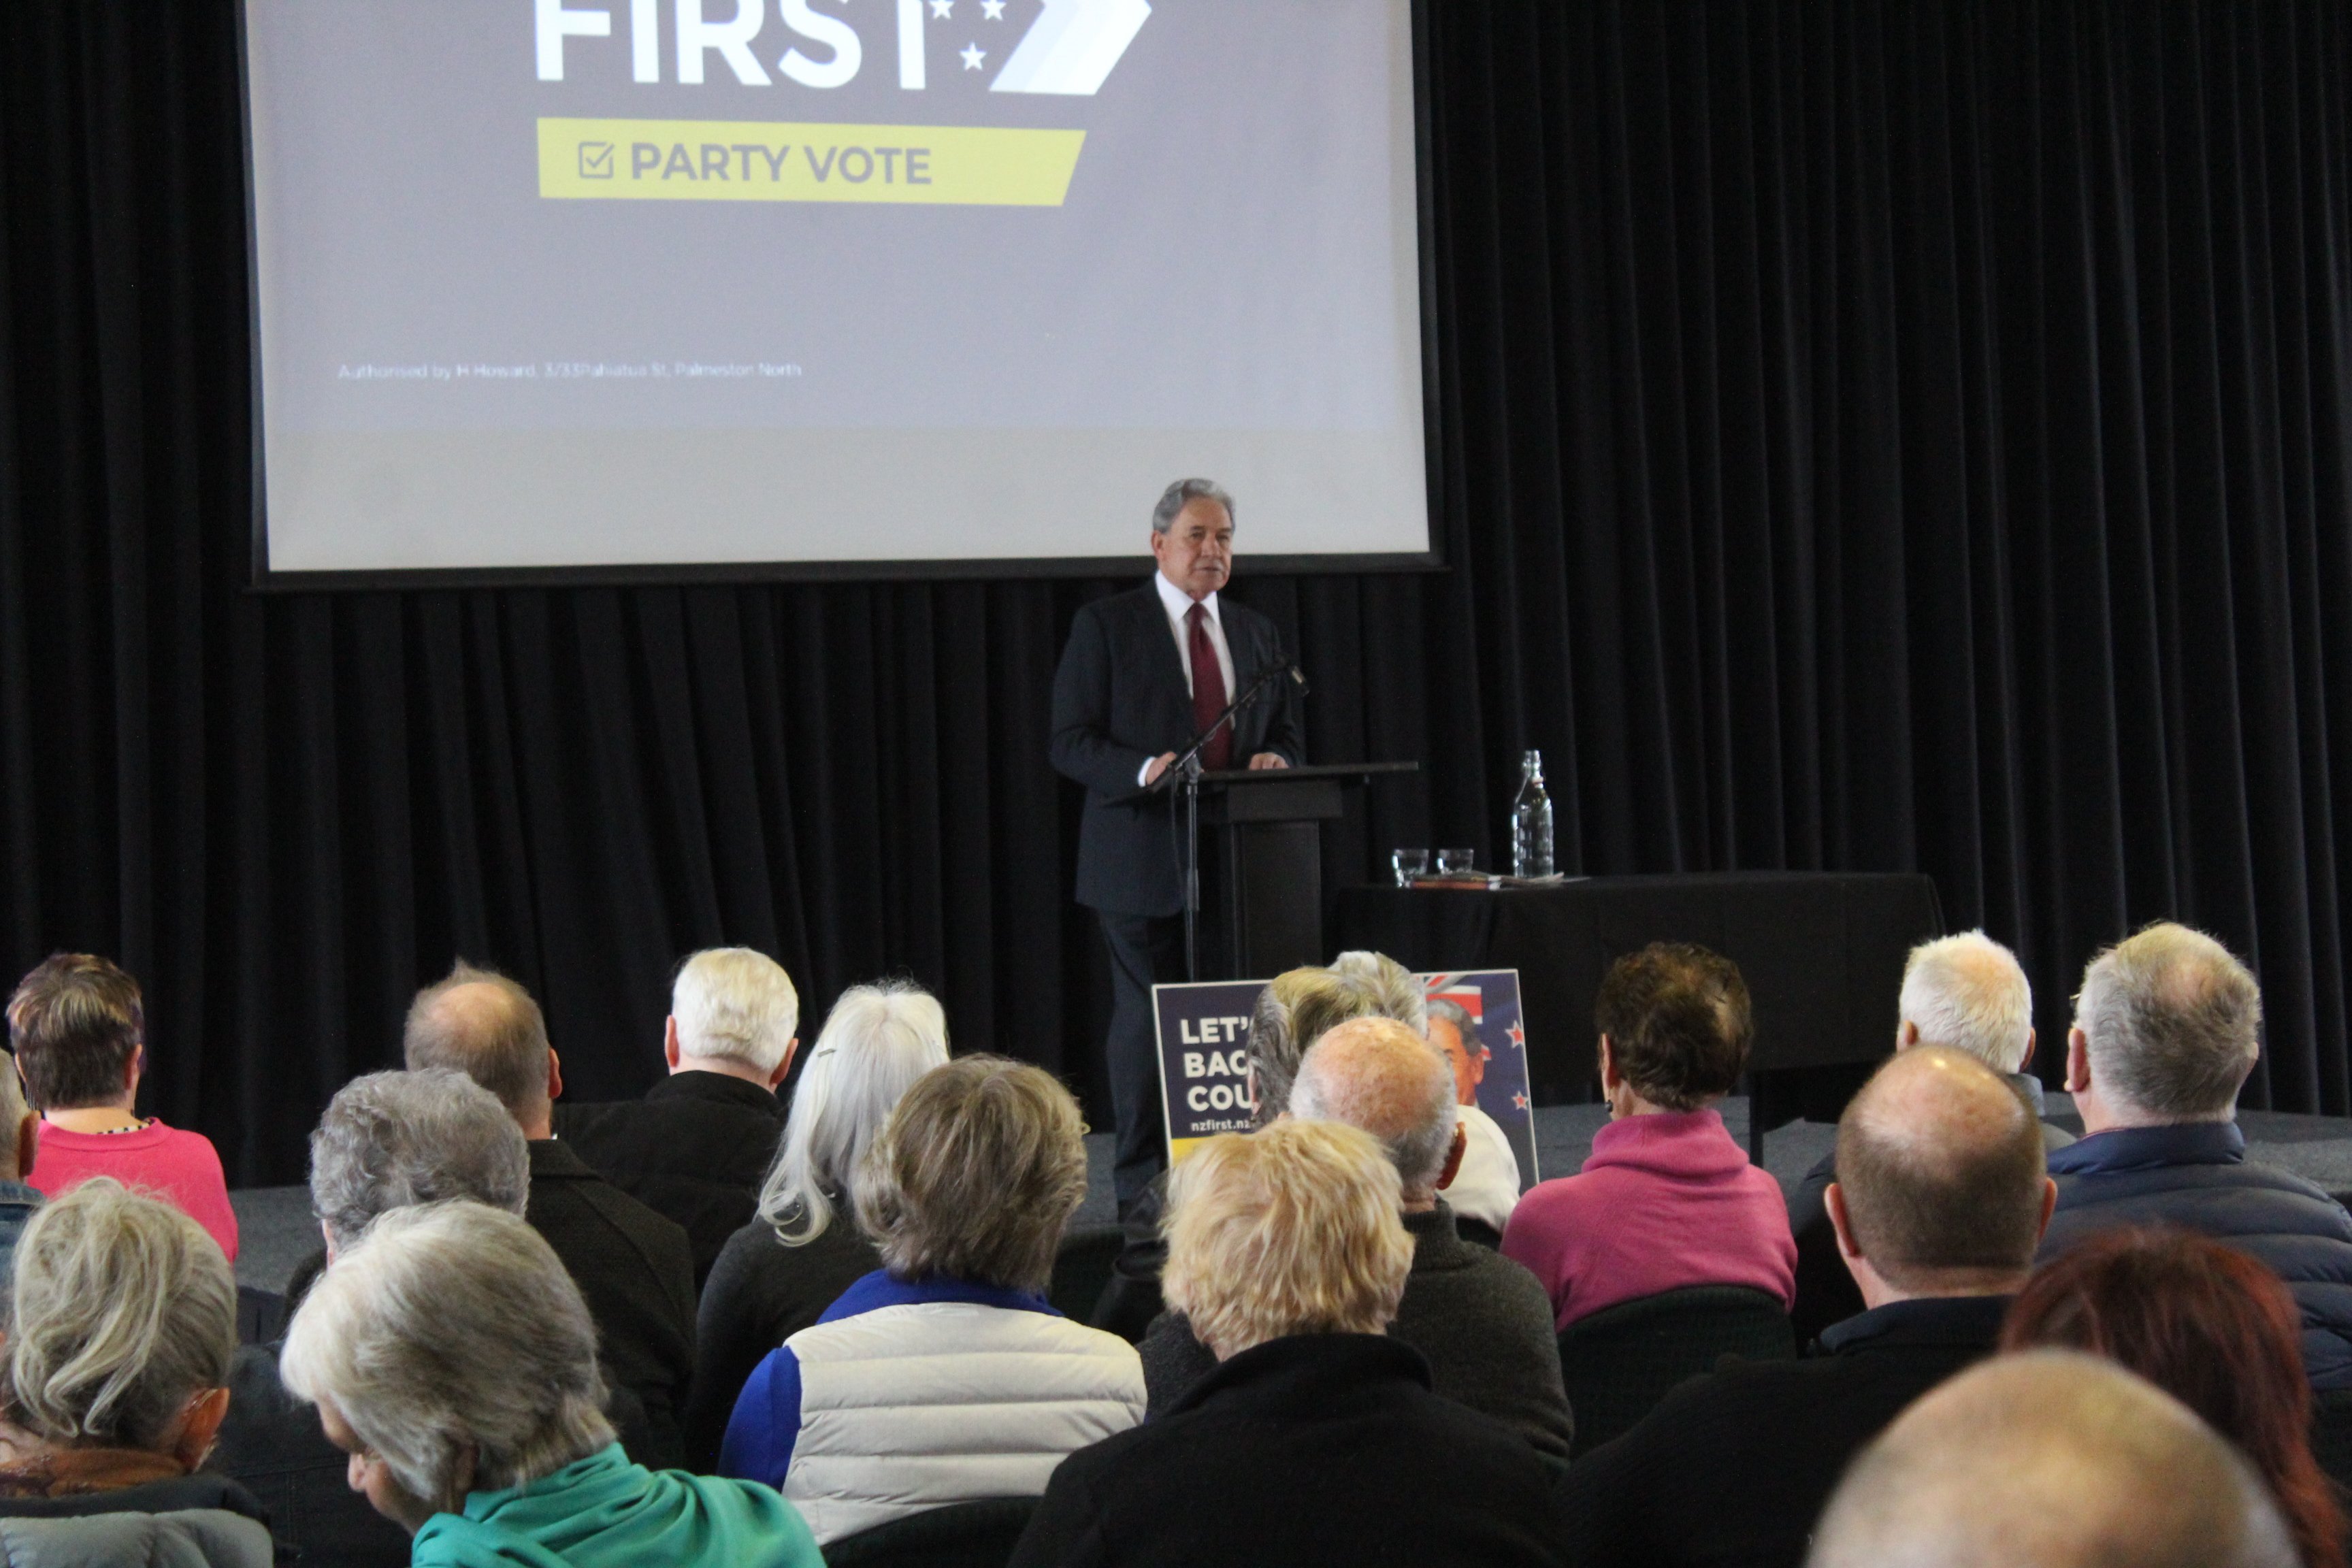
{"x":1872,"y":436}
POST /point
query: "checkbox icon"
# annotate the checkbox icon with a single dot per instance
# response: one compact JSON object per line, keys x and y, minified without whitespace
{"x":595,"y":160}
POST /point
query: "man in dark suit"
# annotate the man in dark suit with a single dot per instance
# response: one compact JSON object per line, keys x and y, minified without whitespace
{"x":1145,"y":672}
{"x":635,"y":1267}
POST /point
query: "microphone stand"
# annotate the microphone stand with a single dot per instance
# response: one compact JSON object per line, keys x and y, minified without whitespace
{"x":1186,"y":771}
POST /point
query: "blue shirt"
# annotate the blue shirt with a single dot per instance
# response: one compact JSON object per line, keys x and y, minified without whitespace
{"x":17,"y":1202}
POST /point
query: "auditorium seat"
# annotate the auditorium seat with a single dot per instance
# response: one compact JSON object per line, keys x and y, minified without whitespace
{"x":979,"y":1534}
{"x":2331,"y":1434}
{"x":1082,"y":1268}
{"x":1620,"y":1362}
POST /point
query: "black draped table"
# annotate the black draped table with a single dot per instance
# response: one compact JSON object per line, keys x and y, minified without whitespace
{"x":1823,"y":953}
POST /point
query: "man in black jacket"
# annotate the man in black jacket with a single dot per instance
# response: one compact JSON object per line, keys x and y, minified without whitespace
{"x":1965,"y":991}
{"x":696,"y":1148}
{"x":1940,"y":1199}
{"x":1144,"y":672}
{"x":635,"y":1269}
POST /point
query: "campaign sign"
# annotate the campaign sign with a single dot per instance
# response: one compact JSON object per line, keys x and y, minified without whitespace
{"x":1203,"y":1030}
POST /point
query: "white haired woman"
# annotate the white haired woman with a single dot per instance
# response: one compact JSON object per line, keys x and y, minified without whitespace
{"x":117,"y":1365}
{"x":1316,"y":1438}
{"x":453,"y":1359}
{"x":944,"y":1376}
{"x":776,"y":1274}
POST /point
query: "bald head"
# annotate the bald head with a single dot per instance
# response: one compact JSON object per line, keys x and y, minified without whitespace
{"x":1379,"y":1074}
{"x":2092,"y":1468}
{"x":1940,"y":1175}
{"x":479,"y":1023}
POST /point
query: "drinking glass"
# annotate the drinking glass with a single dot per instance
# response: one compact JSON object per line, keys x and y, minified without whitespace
{"x":1451,"y":860}
{"x":1409,"y":864}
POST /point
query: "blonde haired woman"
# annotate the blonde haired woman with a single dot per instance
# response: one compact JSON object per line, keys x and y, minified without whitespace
{"x":944,"y":1376}
{"x":1316,"y":1438}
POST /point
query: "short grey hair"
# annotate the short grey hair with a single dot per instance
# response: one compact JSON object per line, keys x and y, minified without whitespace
{"x":125,"y":1309}
{"x":1464,"y":1025}
{"x":497,"y":1039}
{"x":735,"y":1004}
{"x":453,"y":1325}
{"x":391,"y":1140}
{"x":2173,"y":1022}
{"x":1174,"y":499}
{"x":975,"y":1175}
{"x":1968,"y":991}
{"x":1378,"y":1076}
{"x":1397,"y":992}
{"x":1292,"y":1012}
{"x":877,"y":1041}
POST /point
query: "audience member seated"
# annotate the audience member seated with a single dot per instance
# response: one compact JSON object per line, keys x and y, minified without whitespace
{"x":2209,"y":1326}
{"x":786,"y":1267}
{"x":116,"y":1360}
{"x":2167,"y":1027}
{"x":453,"y":1358}
{"x":635,"y":1267}
{"x":1666,"y":1199}
{"x":1483,"y":1321}
{"x":1939,"y":1200}
{"x":387,"y":1140}
{"x":1294,"y":1011}
{"x":79,"y":1032}
{"x":1486,"y":1185}
{"x":2051,"y":1459}
{"x":20,"y":1143}
{"x":696,"y":1146}
{"x":944,"y":1377}
{"x":1316,"y":1438}
{"x":1965,"y":992}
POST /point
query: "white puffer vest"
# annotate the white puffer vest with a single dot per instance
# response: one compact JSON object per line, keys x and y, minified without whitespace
{"x":915,"y":1405}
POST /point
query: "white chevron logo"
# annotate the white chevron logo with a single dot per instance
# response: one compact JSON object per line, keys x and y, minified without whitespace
{"x":1072,"y":46}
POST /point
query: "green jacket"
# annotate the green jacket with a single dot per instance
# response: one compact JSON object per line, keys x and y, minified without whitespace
{"x":604,"y":1512}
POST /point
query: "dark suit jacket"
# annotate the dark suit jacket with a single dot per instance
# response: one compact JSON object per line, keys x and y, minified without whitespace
{"x":694,"y":1149}
{"x":637,"y":1271}
{"x":1319,"y":1448}
{"x":1119,"y":700}
{"x":1734,"y":1468}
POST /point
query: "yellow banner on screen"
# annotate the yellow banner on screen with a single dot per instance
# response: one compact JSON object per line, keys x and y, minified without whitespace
{"x":771,"y":161}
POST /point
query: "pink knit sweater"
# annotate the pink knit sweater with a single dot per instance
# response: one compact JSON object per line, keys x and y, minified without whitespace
{"x":178,"y":1166}
{"x":1665,"y":1201}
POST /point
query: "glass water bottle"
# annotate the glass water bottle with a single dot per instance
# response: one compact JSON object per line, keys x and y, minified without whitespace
{"x":1531,"y":821}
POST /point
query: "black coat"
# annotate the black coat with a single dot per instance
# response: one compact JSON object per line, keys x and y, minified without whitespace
{"x":637,"y":1271}
{"x":761,"y":1294}
{"x":1119,"y":700}
{"x":1483,"y":1323}
{"x":1734,"y":1468}
{"x":694,"y":1149}
{"x":1316,"y":1448}
{"x":273,"y":1443}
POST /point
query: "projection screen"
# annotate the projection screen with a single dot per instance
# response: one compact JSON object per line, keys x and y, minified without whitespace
{"x":548,"y":288}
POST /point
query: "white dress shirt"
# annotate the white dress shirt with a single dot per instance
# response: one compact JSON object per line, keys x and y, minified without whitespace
{"x":1178,"y":606}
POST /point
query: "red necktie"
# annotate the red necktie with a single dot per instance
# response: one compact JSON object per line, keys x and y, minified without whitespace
{"x":1208,"y":692}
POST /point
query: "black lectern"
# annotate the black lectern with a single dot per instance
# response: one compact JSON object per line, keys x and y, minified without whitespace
{"x":1267,"y":834}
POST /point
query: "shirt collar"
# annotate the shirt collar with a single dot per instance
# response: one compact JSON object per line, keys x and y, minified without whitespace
{"x":1179,"y":603}
{"x":1922,"y":1320}
{"x":882,"y":1288}
{"x":2151,"y":1148}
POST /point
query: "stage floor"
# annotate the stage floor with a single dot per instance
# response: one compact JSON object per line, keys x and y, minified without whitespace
{"x":276,"y":1231}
